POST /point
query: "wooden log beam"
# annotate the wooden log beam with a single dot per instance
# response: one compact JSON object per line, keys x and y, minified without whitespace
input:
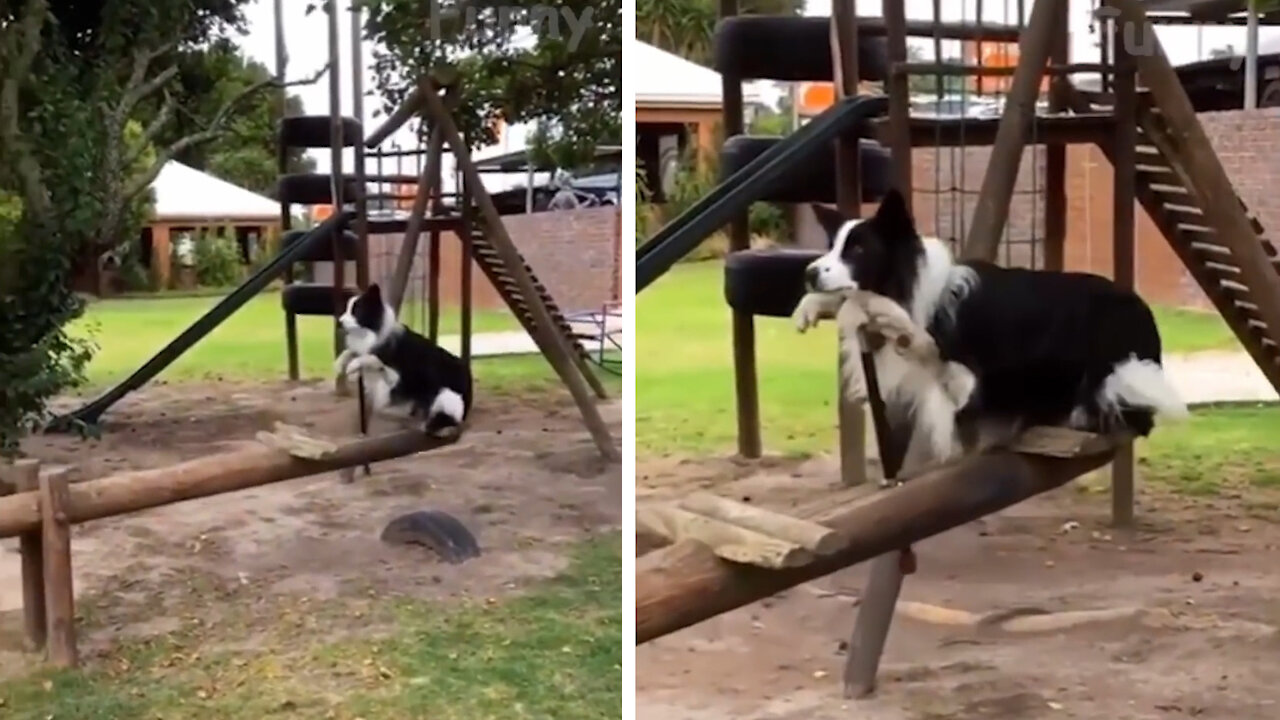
{"x":210,"y":475}
{"x":991,"y":212}
{"x":685,"y":583}
{"x":396,"y":120}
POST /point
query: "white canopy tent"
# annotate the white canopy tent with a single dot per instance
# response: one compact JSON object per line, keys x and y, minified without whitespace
{"x":185,"y":194}
{"x":668,"y":80}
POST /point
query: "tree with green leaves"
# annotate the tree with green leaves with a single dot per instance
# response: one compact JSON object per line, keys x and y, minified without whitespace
{"x":88,"y":98}
{"x":557,"y":66}
{"x":684,"y":27}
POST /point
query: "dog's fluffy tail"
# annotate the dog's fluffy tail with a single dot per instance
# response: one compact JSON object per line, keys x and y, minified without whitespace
{"x":1143,"y":384}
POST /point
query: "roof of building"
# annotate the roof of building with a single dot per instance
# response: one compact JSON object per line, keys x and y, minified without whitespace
{"x":184,"y":193}
{"x":663,"y":78}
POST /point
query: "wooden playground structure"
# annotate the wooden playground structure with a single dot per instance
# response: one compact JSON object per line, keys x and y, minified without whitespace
{"x":721,"y":554}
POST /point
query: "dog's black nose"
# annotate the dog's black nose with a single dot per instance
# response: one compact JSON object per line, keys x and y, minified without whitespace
{"x":811,"y":276}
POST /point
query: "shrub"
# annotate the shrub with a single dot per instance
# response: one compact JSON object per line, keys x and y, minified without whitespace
{"x":766,"y":222}
{"x":217,"y":260}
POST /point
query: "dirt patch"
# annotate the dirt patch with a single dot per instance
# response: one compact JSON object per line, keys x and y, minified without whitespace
{"x":1204,"y":570}
{"x":526,"y":480}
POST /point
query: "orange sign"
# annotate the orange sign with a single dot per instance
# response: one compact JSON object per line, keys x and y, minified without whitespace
{"x":1001,"y":55}
{"x":815,"y":97}
{"x":320,"y":213}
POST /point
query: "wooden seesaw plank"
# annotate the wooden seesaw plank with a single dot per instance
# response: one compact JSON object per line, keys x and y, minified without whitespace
{"x":685,"y":583}
{"x":210,"y":475}
{"x":803,"y":533}
{"x":726,"y":539}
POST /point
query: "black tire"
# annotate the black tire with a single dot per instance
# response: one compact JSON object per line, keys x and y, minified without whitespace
{"x":322,"y":251}
{"x":312,"y":131}
{"x":312,"y":299}
{"x":766,"y":47}
{"x":434,"y":529}
{"x":813,"y":181}
{"x":1270,"y":95}
{"x":311,"y":189}
{"x":766,"y":282}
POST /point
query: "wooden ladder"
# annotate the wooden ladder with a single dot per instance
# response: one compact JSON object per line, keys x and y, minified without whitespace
{"x":1165,"y":188}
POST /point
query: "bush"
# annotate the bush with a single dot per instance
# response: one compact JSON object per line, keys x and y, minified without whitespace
{"x":766,"y":222}
{"x":217,"y":260}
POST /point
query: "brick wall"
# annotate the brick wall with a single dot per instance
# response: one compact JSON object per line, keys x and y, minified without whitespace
{"x":575,"y":253}
{"x":1247,"y":143}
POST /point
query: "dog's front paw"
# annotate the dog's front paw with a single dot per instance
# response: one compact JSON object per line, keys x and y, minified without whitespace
{"x":341,"y":362}
{"x":811,"y":308}
{"x":364,"y":365}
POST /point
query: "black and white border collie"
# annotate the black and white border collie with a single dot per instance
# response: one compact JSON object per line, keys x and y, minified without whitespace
{"x":1018,"y":347}
{"x":404,"y":372}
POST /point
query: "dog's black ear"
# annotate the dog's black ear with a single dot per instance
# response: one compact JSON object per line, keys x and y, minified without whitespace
{"x":894,"y":217}
{"x":830,"y":219}
{"x":373,"y":292}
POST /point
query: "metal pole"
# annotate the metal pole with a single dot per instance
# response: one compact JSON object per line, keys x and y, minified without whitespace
{"x":357,"y":111}
{"x":335,"y":176}
{"x":1251,"y":57}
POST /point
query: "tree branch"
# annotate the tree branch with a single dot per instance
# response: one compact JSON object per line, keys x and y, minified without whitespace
{"x":151,"y":131}
{"x":211,"y":132}
{"x":139,"y":88}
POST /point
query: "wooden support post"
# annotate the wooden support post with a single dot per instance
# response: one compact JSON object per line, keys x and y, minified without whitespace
{"x":852,"y":414}
{"x":59,"y":589}
{"x":685,"y":583}
{"x":555,"y":347}
{"x":467,"y":266}
{"x":282,"y":167}
{"x":991,"y":212}
{"x":1124,"y":153}
{"x":1055,"y":161}
{"x":875,"y":614}
{"x":743,"y":330}
{"x":336,"y":142}
{"x":24,"y":476}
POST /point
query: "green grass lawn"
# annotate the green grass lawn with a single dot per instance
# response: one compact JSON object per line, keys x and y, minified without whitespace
{"x":685,"y":402}
{"x":248,"y":345}
{"x":552,"y":652}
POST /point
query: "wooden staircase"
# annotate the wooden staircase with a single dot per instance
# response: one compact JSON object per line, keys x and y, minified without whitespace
{"x":1166,"y":188}
{"x":486,"y":256}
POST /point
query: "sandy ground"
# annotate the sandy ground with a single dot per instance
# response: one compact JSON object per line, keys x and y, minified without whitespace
{"x":526,"y":480}
{"x":1204,"y":645}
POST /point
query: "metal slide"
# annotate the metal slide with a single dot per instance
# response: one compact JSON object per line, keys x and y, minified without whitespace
{"x":680,"y":236}
{"x":92,"y":412}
